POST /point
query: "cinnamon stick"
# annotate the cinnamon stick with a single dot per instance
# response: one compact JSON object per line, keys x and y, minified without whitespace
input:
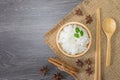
{"x":60,"y":63}
{"x":64,"y":67}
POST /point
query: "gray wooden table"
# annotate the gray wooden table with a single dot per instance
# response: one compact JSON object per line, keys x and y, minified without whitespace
{"x":23,"y":24}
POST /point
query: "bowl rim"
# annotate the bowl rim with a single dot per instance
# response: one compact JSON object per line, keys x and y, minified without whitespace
{"x":88,"y":45}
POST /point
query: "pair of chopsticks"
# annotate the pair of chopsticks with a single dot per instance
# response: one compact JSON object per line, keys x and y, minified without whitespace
{"x":98,"y":48}
{"x":64,"y":67}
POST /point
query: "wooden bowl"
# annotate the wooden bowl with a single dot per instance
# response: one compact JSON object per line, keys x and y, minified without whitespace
{"x":78,"y":54}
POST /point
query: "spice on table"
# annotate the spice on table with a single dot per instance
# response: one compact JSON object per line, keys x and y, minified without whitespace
{"x":79,"y":12}
{"x":88,"y":19}
{"x":89,"y":71}
{"x":57,"y":76}
{"x":44,"y":70}
{"x":79,"y":63}
{"x":88,"y":61}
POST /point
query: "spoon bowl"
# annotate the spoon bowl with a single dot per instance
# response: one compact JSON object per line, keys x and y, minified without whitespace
{"x":109,"y":27}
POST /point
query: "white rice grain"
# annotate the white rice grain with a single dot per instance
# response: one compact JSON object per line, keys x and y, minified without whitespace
{"x":71,"y":44}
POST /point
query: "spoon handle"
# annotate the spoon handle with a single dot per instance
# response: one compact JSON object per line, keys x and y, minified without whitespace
{"x":108,"y":57}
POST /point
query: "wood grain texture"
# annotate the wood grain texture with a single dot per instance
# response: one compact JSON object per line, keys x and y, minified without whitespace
{"x":23,"y":24}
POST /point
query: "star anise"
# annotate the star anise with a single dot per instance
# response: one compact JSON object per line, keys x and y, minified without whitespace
{"x":88,"y":61}
{"x":79,"y":63}
{"x":89,"y":71}
{"x":57,"y":76}
{"x":79,"y":12}
{"x":44,"y":70}
{"x":88,"y":19}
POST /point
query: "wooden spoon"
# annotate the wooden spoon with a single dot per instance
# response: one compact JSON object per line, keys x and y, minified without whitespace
{"x":109,"y":27}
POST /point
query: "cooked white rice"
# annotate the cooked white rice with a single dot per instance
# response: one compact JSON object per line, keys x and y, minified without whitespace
{"x":70,"y":43}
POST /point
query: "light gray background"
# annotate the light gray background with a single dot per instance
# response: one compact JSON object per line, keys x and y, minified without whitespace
{"x":23,"y":24}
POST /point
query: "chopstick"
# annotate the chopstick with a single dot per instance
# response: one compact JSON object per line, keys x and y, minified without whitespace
{"x":98,"y":48}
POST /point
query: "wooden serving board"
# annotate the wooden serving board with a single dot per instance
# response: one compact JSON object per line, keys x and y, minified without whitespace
{"x":109,"y":8}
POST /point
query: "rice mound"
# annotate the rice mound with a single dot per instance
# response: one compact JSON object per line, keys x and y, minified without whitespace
{"x":70,"y":43}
